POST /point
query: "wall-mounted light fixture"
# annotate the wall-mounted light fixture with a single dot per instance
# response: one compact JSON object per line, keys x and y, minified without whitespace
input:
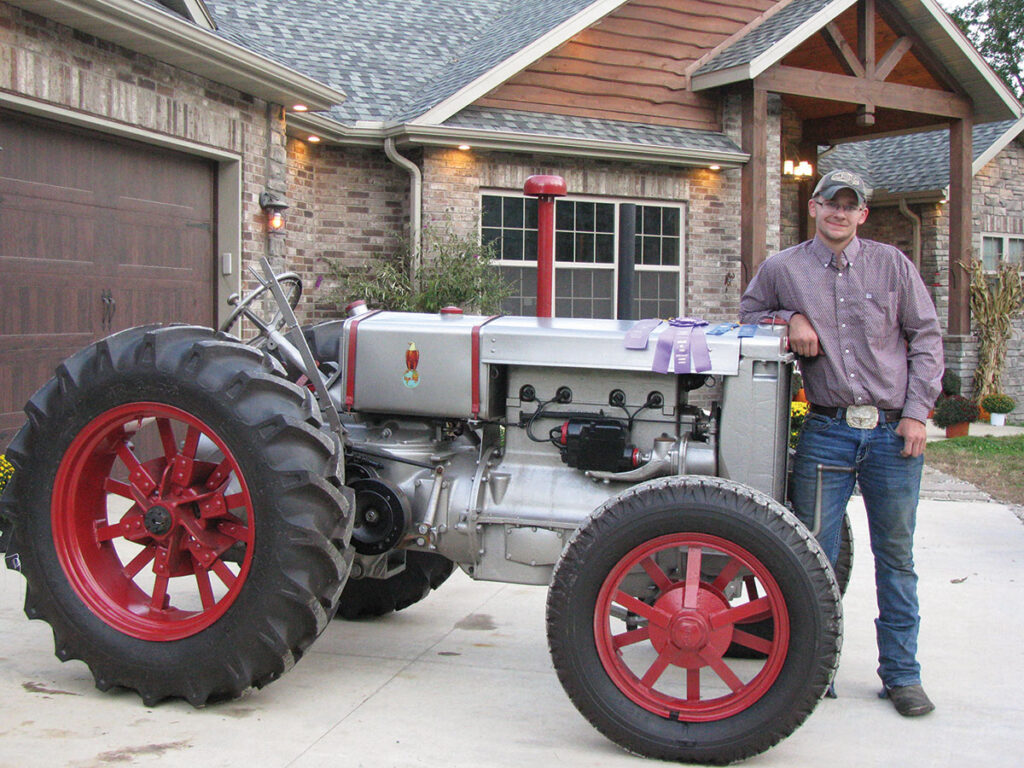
{"x":714,"y":167}
{"x":465,"y":147}
{"x":274,"y":207}
{"x":313,"y":139}
{"x":300,"y":108}
{"x":798,"y":169}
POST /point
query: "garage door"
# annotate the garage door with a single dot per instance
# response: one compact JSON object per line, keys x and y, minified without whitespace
{"x":96,"y":235}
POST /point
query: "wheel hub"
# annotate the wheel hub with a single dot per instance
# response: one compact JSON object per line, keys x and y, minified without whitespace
{"x":158,"y":520}
{"x":689,"y":631}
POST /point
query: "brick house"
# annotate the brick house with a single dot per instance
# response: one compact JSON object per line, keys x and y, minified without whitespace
{"x":138,"y":136}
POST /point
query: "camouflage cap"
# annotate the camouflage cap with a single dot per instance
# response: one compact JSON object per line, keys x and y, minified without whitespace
{"x":833,"y":181}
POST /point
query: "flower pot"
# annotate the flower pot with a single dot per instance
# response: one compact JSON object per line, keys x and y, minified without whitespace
{"x":958,"y":430}
{"x":997,"y":419}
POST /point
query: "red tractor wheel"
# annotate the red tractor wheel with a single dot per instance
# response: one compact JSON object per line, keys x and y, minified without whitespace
{"x":177,"y":514}
{"x":648,"y":598}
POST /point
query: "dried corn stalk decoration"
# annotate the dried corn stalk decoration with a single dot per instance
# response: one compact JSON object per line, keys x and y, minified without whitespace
{"x":995,"y":301}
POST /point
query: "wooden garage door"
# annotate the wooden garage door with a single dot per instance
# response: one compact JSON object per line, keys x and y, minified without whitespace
{"x":96,"y":235}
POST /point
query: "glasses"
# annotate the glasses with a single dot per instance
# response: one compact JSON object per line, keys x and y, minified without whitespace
{"x":833,"y":207}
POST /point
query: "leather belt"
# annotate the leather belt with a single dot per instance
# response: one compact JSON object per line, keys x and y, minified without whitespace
{"x":890,"y":414}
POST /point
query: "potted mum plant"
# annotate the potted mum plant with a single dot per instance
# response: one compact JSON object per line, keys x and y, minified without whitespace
{"x":998,"y":405}
{"x":954,"y":414}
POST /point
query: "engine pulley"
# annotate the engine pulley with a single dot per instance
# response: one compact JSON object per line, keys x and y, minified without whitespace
{"x":382,"y":512}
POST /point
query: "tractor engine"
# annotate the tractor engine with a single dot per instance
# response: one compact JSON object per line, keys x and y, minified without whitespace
{"x":489,"y":440}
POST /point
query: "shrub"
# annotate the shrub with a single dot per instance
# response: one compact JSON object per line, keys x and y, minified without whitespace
{"x":950,"y":383}
{"x":954,"y":410}
{"x":998,"y":403}
{"x":455,"y":271}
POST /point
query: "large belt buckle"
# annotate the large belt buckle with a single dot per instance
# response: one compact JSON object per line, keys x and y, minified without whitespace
{"x":862,"y":416}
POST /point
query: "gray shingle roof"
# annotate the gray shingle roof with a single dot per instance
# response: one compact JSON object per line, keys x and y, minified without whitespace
{"x":514,"y":121}
{"x":393,"y":58}
{"x":764,"y":36}
{"x":917,"y":162}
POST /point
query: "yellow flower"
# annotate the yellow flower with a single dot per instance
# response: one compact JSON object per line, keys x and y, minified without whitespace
{"x":6,"y":471}
{"x":798,"y":410}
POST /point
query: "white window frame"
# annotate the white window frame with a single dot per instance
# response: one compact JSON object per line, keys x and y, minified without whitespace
{"x":681,"y":205}
{"x":1005,"y":237}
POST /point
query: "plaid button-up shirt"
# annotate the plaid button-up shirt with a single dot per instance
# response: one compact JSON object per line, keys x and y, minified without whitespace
{"x":876,"y":324}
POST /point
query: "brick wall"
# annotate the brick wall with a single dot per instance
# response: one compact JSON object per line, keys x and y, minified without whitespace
{"x":349,"y":205}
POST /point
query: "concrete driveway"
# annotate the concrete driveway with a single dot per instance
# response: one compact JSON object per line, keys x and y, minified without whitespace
{"x":463,"y":679}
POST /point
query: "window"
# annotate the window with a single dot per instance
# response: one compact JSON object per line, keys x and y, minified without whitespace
{"x":587,"y":254}
{"x":996,"y":249}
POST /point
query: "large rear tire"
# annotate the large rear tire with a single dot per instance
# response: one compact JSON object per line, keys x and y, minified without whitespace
{"x":639,"y":620}
{"x":366,"y":598}
{"x":177,"y":514}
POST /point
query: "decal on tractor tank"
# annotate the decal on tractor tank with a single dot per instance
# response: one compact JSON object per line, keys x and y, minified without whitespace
{"x":411,"y":377}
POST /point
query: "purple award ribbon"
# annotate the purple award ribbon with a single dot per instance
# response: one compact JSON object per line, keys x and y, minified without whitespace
{"x":685,"y":344}
{"x":637,"y":336}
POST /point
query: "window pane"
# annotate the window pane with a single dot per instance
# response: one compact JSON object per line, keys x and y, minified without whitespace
{"x":1015,"y":251}
{"x":652,"y":251}
{"x":606,"y":249}
{"x":563,"y":246}
{"x":564,"y":212}
{"x":513,"y":211}
{"x":605,"y":217}
{"x":670,"y":222}
{"x":490,"y":211}
{"x":991,"y":252}
{"x":512,"y":244}
{"x":585,"y":247}
{"x":585,"y":217}
{"x":530,"y":245}
{"x":670,"y":251}
{"x":531,"y":213}
{"x":491,"y":235}
{"x":652,"y":220}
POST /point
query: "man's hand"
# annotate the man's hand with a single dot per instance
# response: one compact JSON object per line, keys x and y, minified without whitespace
{"x":914,"y":435}
{"x":803,"y":339}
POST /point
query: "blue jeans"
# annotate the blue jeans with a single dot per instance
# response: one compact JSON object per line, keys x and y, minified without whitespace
{"x":890,"y":485}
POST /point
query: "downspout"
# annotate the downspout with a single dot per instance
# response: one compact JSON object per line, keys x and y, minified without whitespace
{"x":916,"y":221}
{"x":415,"y":203}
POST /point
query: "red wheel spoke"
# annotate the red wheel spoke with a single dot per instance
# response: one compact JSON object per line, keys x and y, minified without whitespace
{"x":661,"y":581}
{"x":140,"y":478}
{"x":236,"y":531}
{"x":693,"y":684}
{"x":219,"y":475}
{"x":693,"y":558}
{"x":118,"y":488}
{"x":722,"y":670}
{"x":205,"y":590}
{"x":755,"y":610}
{"x":727,"y":574}
{"x":139,"y":562}
{"x":188,"y":450}
{"x":641,"y":608}
{"x":657,"y":669}
{"x":629,"y":638}
{"x":167,"y":440}
{"x":158,"y":601}
{"x":234,"y":500}
{"x":752,"y":641}
{"x":224,"y":573}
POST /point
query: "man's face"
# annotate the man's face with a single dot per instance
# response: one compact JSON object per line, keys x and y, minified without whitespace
{"x":837,"y":227}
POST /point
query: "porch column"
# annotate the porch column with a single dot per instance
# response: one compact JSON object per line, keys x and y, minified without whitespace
{"x":961,"y":157}
{"x":754,"y":183}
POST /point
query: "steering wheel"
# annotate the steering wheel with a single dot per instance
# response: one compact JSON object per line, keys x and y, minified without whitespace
{"x":290,"y":283}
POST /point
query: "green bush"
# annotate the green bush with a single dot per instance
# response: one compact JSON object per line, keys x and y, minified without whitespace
{"x":955,"y":409}
{"x":998,"y":403}
{"x":950,"y":383}
{"x":455,"y":271}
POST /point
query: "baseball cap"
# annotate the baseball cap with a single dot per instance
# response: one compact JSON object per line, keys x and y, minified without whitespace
{"x":833,"y":181}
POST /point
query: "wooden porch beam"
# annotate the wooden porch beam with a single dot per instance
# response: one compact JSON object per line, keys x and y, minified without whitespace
{"x":893,"y":57}
{"x":832,"y":130}
{"x":826,"y":85}
{"x":928,"y":60}
{"x":866,"y":36}
{"x":960,"y":225}
{"x":842,"y":50}
{"x":754,"y":183}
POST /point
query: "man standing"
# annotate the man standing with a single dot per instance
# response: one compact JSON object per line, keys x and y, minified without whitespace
{"x":870,"y":348}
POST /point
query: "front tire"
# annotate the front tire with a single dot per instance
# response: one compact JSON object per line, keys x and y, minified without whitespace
{"x":178,"y":515}
{"x":639,"y":620}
